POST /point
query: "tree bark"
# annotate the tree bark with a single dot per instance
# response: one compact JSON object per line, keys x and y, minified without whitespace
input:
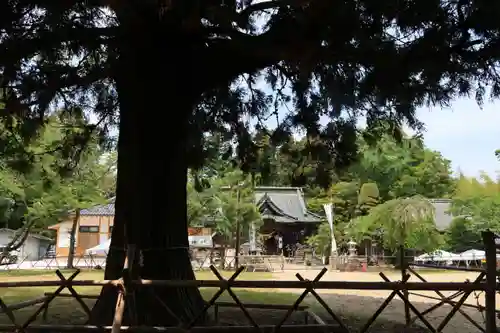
{"x":72,"y":239}
{"x":155,"y":78}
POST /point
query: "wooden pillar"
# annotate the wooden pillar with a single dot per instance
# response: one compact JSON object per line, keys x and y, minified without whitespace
{"x":238,"y":232}
{"x":402,"y":261}
{"x":491,"y":281}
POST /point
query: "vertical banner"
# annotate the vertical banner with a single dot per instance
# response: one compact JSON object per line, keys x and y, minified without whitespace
{"x":329,"y":217}
{"x":252,"y":238}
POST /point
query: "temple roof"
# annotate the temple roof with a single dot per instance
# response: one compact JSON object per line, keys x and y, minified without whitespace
{"x":284,"y":205}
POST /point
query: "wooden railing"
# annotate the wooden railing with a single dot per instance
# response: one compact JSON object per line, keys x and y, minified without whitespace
{"x":309,"y":287}
{"x":485,"y":282}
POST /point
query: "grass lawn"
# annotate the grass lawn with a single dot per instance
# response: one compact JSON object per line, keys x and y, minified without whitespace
{"x":68,"y":311}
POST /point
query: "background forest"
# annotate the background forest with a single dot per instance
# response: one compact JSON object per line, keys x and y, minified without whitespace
{"x":371,"y":197}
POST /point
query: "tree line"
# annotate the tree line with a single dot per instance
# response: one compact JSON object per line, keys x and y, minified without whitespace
{"x":49,"y":190}
{"x":368,"y":195}
{"x":383,"y":196}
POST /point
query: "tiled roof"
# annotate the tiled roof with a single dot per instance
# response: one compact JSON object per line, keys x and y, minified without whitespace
{"x":286,"y":203}
{"x":100,"y":210}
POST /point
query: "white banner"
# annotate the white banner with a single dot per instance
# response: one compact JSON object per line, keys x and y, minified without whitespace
{"x":329,"y":217}
{"x":252,"y":238}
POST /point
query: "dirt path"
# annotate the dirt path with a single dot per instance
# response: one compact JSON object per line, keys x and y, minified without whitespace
{"x":363,"y":303}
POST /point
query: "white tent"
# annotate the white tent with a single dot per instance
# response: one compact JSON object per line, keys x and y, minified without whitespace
{"x":441,"y":255}
{"x":473,"y":255}
{"x":438,"y":255}
{"x":423,"y":257}
{"x":99,"y":250}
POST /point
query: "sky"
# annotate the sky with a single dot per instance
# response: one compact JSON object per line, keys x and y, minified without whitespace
{"x":466,"y":134}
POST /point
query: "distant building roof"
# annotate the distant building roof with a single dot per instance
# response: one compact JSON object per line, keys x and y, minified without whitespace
{"x":284,"y":204}
{"x":100,"y":210}
{"x":442,"y":218}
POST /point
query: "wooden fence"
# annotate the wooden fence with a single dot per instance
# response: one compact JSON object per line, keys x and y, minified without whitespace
{"x":485,"y":282}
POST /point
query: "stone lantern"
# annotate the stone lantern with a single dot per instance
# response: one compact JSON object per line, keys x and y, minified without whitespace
{"x":351,"y":247}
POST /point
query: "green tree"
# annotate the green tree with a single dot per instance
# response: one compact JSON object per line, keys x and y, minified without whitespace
{"x":476,"y":204}
{"x":301,"y":163}
{"x":406,"y":222}
{"x":462,"y":236}
{"x":227,"y":201}
{"x":387,"y":170}
{"x":207,"y":58}
{"x":405,"y":168}
{"x":321,"y":240}
{"x":198,"y":206}
{"x":87,"y":187}
{"x":235,"y":202}
{"x":368,"y":198}
{"x":32,"y":200}
{"x":344,"y":197}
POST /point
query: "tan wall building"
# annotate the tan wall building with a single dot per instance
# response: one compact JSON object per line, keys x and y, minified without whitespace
{"x":94,"y":227}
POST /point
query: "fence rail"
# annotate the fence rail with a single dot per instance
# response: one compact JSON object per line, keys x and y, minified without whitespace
{"x":262,"y":284}
{"x":268,"y":263}
{"x":309,"y":287}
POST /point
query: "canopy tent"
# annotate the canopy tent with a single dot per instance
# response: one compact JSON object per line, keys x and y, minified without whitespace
{"x":473,"y":255}
{"x":469,"y":257}
{"x":99,"y":250}
{"x":439,"y":255}
{"x":423,"y":257}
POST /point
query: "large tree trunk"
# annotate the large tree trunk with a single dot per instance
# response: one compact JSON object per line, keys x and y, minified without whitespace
{"x":154,"y":80}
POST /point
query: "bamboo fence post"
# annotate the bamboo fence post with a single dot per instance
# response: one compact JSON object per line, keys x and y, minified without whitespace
{"x":325,"y":305}
{"x":84,"y":306}
{"x":491,"y":281}
{"x":412,"y":307}
{"x":405,"y":291}
{"x":298,"y":301}
{"x":382,"y":307}
{"x":445,"y":300}
{"x":9,"y":313}
{"x":458,"y":304}
{"x":211,"y":302}
{"x":129,"y":275}
{"x":235,"y":298}
{"x":120,"y":300}
{"x":63,"y":284}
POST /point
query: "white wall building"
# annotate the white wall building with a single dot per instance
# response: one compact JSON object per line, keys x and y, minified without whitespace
{"x":34,"y":248}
